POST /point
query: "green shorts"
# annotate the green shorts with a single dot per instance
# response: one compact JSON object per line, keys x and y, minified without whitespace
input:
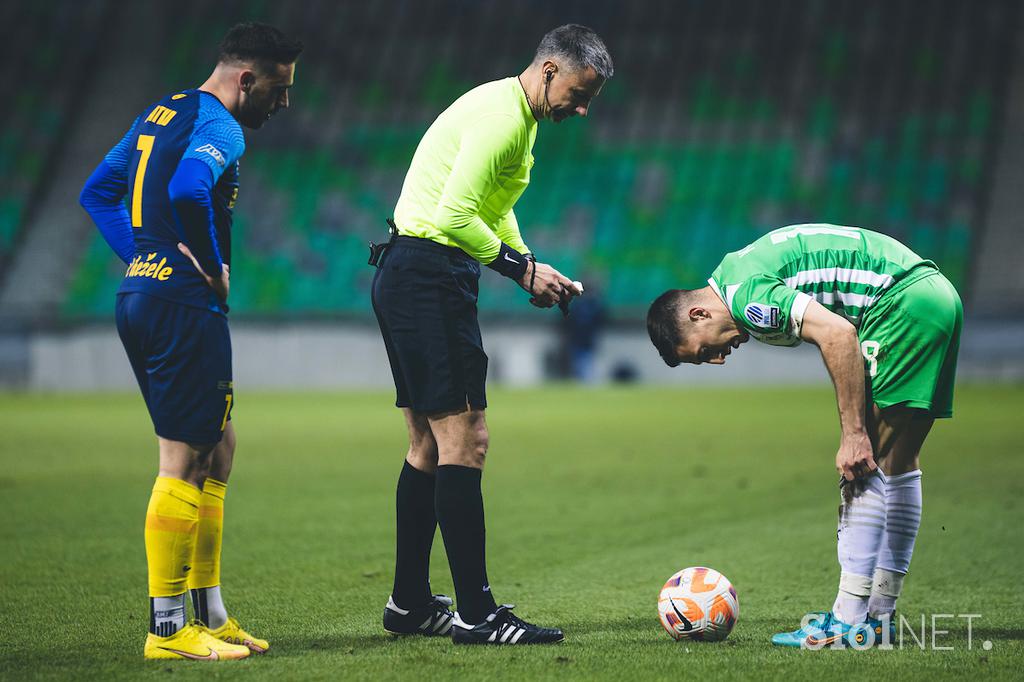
{"x":910,"y":340}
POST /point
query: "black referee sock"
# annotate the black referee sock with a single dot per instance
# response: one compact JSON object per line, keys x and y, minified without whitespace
{"x":414,"y":504}
{"x":460,"y":513}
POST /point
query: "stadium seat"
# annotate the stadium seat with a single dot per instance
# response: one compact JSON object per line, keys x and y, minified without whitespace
{"x":704,"y":140}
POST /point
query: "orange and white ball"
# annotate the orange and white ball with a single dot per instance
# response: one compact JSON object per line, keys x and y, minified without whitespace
{"x":698,"y":603}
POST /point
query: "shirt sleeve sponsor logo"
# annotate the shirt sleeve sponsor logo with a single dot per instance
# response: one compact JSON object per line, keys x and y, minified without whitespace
{"x":761,"y":315}
{"x":212,"y":151}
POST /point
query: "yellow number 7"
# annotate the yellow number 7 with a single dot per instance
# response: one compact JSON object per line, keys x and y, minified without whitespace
{"x":227,"y":410}
{"x":145,"y":146}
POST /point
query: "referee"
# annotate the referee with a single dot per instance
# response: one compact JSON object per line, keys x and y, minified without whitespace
{"x":454,"y":213}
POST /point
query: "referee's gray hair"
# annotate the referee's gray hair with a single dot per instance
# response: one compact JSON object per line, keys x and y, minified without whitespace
{"x":579,"y":46}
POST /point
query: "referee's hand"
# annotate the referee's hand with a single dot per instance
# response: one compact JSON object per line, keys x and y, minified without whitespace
{"x":220,"y":286}
{"x":549,"y":285}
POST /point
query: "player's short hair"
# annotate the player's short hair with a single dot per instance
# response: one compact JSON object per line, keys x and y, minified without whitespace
{"x":579,"y":47}
{"x":263,"y":44}
{"x":664,"y":322}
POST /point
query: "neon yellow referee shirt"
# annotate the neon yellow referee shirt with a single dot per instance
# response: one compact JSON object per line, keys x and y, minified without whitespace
{"x":469,"y":169}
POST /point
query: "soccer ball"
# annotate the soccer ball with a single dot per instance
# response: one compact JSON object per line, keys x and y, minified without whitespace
{"x":698,"y":603}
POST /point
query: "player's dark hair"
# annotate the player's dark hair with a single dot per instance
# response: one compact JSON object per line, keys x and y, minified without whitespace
{"x":579,"y":47}
{"x":252,"y":41}
{"x":663,"y":323}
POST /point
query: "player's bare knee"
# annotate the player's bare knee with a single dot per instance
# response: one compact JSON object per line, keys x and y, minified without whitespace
{"x":186,"y":461}
{"x":423,"y":444}
{"x":477,"y":450}
{"x":223,"y":456}
{"x":220,"y":464}
{"x":422,"y":452}
{"x":470,"y":450}
{"x":422,"y":455}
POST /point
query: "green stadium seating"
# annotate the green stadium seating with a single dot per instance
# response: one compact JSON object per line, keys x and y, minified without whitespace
{"x":724,"y":120}
{"x":44,"y":56}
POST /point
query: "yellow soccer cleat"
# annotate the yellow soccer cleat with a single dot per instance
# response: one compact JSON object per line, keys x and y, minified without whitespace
{"x":192,"y":642}
{"x":233,"y":633}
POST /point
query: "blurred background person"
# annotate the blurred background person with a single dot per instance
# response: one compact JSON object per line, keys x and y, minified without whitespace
{"x":581,"y":333}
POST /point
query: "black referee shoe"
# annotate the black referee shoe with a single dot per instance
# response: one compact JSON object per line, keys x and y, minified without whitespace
{"x":501,"y":627}
{"x":432,"y":620}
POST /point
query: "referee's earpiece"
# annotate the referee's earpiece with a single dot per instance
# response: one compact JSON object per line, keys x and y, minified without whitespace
{"x":548,"y":76}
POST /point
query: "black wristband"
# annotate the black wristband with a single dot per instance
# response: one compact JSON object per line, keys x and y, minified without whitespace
{"x":509,"y":262}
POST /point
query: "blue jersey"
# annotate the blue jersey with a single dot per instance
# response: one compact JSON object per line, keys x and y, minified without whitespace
{"x":162,"y":164}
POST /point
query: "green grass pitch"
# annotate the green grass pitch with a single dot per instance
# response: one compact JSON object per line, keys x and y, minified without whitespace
{"x":593,"y":499}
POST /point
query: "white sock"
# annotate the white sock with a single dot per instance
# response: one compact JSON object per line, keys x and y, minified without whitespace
{"x":860,"y":535}
{"x":903,"y":518}
{"x":885,"y":589}
{"x":851,"y":604}
{"x":208,"y":607}
{"x":166,"y":615}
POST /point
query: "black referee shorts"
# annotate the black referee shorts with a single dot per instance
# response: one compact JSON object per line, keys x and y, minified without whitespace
{"x":424,"y":295}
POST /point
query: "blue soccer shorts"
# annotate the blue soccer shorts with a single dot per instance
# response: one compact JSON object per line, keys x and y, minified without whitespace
{"x":181,"y":356}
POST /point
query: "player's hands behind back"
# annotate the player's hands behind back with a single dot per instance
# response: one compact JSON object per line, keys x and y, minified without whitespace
{"x":550,"y":287}
{"x":220,"y":286}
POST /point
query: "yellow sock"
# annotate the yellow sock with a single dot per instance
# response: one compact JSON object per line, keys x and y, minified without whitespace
{"x":171,"y":521}
{"x":209,"y":536}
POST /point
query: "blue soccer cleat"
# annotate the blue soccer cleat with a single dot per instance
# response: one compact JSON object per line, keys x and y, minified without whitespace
{"x":824,"y":631}
{"x":797,"y":637}
{"x":878,"y":627}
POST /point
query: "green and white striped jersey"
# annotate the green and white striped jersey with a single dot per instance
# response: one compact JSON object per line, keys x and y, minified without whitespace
{"x":769,"y":284}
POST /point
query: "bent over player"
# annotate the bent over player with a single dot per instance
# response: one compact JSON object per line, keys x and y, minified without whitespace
{"x":454,"y":213}
{"x":178,"y":166}
{"x":887,"y":323}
